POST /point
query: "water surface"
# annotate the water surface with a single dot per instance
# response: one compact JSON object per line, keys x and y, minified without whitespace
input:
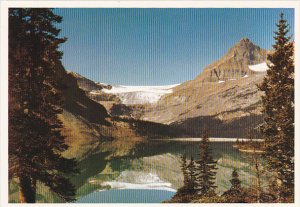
{"x":152,"y":168}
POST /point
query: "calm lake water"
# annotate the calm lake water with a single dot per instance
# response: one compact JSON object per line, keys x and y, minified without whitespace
{"x":151,"y":172}
{"x":127,"y":196}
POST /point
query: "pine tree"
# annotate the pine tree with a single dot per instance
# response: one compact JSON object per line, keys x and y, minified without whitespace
{"x":278,"y":108}
{"x":235,"y":181}
{"x":258,"y":175}
{"x":184,"y":169}
{"x":35,"y":102}
{"x":206,"y":169}
{"x":235,"y":194}
{"x":189,"y":177}
{"x":192,"y":176}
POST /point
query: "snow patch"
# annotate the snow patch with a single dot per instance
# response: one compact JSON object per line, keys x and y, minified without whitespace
{"x":220,"y":81}
{"x":94,"y":92}
{"x":140,"y":94}
{"x":262,"y":67}
{"x":179,"y":99}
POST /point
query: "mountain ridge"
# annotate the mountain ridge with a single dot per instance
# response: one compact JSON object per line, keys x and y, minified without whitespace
{"x":222,"y":94}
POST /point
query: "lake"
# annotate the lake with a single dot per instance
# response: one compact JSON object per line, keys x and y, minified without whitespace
{"x":127,"y":196}
{"x":151,"y":172}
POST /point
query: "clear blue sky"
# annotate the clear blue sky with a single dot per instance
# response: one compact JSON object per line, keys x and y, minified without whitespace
{"x":158,"y":46}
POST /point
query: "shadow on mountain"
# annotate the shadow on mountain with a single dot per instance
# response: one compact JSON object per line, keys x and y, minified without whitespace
{"x":76,"y":101}
{"x":153,"y":130}
{"x":241,"y":127}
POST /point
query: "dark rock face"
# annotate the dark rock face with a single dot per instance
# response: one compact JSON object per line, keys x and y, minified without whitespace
{"x":93,"y":89}
{"x":84,"y":83}
{"x":76,"y":102}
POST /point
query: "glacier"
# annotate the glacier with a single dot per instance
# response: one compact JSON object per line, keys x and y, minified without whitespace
{"x":139,"y":94}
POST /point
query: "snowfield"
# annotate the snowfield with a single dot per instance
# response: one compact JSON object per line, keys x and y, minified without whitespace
{"x":140,"y":94}
{"x":262,"y":67}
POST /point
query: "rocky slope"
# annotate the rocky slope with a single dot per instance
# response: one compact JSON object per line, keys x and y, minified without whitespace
{"x":93,"y":89}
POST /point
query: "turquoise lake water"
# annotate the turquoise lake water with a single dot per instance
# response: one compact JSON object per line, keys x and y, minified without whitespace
{"x":127,"y":196}
{"x":155,"y":163}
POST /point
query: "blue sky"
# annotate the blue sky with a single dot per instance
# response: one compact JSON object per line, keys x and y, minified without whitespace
{"x":158,"y":46}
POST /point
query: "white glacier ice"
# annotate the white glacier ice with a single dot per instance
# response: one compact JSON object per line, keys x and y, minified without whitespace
{"x":140,"y":94}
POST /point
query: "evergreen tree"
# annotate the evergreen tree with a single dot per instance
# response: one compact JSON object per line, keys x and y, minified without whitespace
{"x":235,"y":194}
{"x":235,"y":181}
{"x":192,"y":176}
{"x":258,"y":175}
{"x":182,"y":194}
{"x":206,"y":169}
{"x":35,"y":101}
{"x":278,"y":107}
{"x":189,"y":178}
{"x":184,"y":170}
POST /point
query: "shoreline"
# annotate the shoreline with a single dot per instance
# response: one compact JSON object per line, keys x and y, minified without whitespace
{"x":139,"y":186}
{"x":212,"y":139}
{"x":251,"y":151}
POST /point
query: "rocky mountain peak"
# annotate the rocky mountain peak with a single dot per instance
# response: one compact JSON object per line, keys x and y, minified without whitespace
{"x":246,"y":43}
{"x":245,"y":40}
{"x":247,"y":50}
{"x":235,"y":63}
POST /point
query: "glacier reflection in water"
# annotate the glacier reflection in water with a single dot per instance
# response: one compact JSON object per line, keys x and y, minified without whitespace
{"x":148,"y":174}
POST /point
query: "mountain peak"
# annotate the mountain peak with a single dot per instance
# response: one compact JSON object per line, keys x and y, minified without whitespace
{"x":246,"y":42}
{"x":246,"y":51}
{"x":235,"y":63}
{"x":245,"y":39}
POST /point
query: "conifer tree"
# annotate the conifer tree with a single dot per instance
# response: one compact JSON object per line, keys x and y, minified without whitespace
{"x":278,"y":108}
{"x":183,"y":191}
{"x":192,"y":176}
{"x":184,"y":169}
{"x":235,"y":181}
{"x":235,"y":194}
{"x":35,"y":101}
{"x":206,"y":169}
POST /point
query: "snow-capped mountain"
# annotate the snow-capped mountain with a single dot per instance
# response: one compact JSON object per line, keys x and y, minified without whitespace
{"x":222,"y":97}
